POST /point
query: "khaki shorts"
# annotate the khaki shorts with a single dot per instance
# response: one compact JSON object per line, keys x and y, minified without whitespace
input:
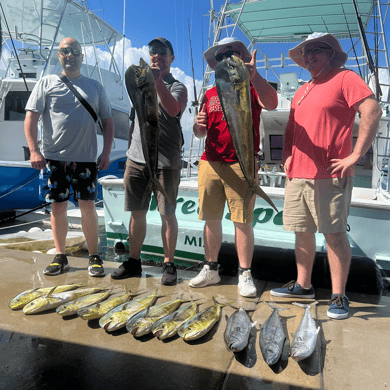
{"x":135,"y":180}
{"x":219,"y":182}
{"x":317,"y":205}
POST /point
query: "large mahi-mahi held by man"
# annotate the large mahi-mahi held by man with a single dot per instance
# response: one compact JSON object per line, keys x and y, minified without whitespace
{"x":232,"y":82}
{"x":141,"y":88}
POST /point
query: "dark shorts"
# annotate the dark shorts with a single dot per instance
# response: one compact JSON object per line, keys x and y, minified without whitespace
{"x":63,"y":175}
{"x":136,"y":179}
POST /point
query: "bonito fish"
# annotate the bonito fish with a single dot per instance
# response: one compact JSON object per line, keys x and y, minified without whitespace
{"x":305,"y":338}
{"x":71,"y":308}
{"x":272,"y":337}
{"x":117,"y":318}
{"x":168,"y":326}
{"x":52,"y":301}
{"x":141,"y":87}
{"x":232,"y":82}
{"x":201,"y":323}
{"x":99,"y":309}
{"x":27,"y":296}
{"x":238,"y":329}
{"x":139,"y":325}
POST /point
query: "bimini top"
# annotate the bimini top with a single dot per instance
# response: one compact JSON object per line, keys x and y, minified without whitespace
{"x":45,"y":23}
{"x":289,"y":21}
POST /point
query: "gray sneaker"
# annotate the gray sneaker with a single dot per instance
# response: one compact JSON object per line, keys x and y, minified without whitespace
{"x":293,"y":290}
{"x":205,"y":277}
{"x":246,"y":287}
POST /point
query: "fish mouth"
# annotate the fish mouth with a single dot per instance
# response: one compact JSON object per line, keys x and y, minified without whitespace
{"x":158,"y":334}
{"x":134,"y":331}
{"x":106,"y":326}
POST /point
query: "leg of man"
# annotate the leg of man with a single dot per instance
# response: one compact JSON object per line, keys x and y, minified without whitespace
{"x":212,"y":237}
{"x":305,"y":250}
{"x":59,"y":225}
{"x":169,"y":232}
{"x":244,"y":243}
{"x":137,"y":232}
{"x":90,"y":225}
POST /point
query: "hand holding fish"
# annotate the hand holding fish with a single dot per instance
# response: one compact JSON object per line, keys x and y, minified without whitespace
{"x":251,"y":66}
{"x":155,"y":70}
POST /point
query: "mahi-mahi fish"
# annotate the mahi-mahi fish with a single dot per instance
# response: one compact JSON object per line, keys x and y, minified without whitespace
{"x":117,"y":318}
{"x":53,"y":300}
{"x":141,"y":324}
{"x":305,"y":338}
{"x":272,"y":337}
{"x":232,"y":82}
{"x":238,"y":329}
{"x":21,"y":300}
{"x":202,"y":323}
{"x":168,"y":326}
{"x":141,"y":87}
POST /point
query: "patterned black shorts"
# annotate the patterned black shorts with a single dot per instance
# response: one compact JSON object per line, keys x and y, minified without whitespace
{"x":81,"y":176}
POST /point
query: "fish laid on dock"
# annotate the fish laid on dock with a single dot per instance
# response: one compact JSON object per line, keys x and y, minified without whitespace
{"x":53,"y":300}
{"x":100,"y":309}
{"x":141,"y":87}
{"x":168,"y":326}
{"x":238,"y":329}
{"x":27,"y":296}
{"x":305,"y":338}
{"x":71,"y":308}
{"x":232,"y":82}
{"x":272,"y":337}
{"x":202,"y":323}
{"x":140,"y":325}
{"x":117,"y":318}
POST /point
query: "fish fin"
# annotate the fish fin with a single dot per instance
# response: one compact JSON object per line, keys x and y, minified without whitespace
{"x":233,"y":307}
{"x":49,"y":294}
{"x":263,"y":195}
{"x":254,"y":324}
{"x":318,"y":330}
{"x":303,"y":305}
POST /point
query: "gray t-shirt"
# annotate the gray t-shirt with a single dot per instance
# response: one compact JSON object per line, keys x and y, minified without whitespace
{"x":170,"y":140}
{"x":69,"y":131}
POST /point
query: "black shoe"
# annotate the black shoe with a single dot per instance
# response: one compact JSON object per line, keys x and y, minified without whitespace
{"x":57,"y":266}
{"x":95,"y":266}
{"x":129,"y":268}
{"x":169,"y":277}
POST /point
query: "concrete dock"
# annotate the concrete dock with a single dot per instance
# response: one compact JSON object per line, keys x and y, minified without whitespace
{"x":46,"y":351}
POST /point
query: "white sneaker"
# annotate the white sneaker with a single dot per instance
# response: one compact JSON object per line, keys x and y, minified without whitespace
{"x":205,"y":277}
{"x":246,"y":287}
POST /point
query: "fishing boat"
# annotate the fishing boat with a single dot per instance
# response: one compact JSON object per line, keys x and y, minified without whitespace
{"x":31,"y":32}
{"x":266,"y":25}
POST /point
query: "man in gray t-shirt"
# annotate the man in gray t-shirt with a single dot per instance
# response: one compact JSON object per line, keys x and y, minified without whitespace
{"x":69,"y":149}
{"x":172,"y":102}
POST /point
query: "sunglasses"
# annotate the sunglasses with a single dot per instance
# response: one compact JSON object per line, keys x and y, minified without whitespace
{"x":64,"y":51}
{"x":314,"y":50}
{"x":158,"y":50}
{"x":228,"y":53}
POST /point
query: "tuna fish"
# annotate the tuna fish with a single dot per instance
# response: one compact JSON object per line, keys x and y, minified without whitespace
{"x":141,"y":88}
{"x":305,"y":338}
{"x":168,"y":326}
{"x":71,"y":308}
{"x":272,"y":337}
{"x":238,"y":329}
{"x":117,"y":318}
{"x":202,"y":323}
{"x":232,"y":82}
{"x":52,"y":301}
{"x":100,"y":309}
{"x":139,"y":325}
{"x":27,"y":296}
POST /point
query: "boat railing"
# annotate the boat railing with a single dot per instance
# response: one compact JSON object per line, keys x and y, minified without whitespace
{"x":382,"y":152}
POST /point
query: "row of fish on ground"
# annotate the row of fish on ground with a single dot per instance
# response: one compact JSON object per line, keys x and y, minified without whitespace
{"x":140,"y":317}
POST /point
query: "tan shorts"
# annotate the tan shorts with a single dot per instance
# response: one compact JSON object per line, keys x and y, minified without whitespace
{"x":135,"y":180}
{"x":317,"y":205}
{"x":219,"y":182}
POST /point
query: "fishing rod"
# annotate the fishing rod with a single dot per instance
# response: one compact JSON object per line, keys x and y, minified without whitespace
{"x":195,"y":103}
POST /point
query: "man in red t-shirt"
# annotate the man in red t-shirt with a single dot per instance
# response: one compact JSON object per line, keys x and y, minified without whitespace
{"x":220,"y":178}
{"x":319,"y":160}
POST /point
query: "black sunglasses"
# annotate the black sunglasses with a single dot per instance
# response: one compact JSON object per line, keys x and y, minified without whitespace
{"x":158,"y":50}
{"x":64,"y":51}
{"x":228,"y":53}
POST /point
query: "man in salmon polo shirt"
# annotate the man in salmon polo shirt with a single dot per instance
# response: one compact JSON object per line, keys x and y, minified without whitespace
{"x":318,"y":159}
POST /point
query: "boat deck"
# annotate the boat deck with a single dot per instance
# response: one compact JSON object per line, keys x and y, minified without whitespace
{"x":48,"y":351}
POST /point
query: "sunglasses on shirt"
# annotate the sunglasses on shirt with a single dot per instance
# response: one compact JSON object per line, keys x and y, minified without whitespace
{"x":228,"y":53}
{"x":64,"y":51}
{"x":158,"y":50}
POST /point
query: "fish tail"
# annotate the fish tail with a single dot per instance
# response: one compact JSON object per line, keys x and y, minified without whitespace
{"x":263,"y":195}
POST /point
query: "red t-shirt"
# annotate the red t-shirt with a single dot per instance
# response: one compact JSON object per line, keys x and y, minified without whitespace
{"x":320,"y":126}
{"x":219,"y":144}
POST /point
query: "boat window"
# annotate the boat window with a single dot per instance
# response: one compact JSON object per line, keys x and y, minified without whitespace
{"x":15,"y":102}
{"x":276,"y":146}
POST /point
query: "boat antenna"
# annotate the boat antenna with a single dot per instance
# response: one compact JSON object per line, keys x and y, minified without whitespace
{"x":195,"y":103}
{"x":371,"y":66}
{"x":16,"y":53}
